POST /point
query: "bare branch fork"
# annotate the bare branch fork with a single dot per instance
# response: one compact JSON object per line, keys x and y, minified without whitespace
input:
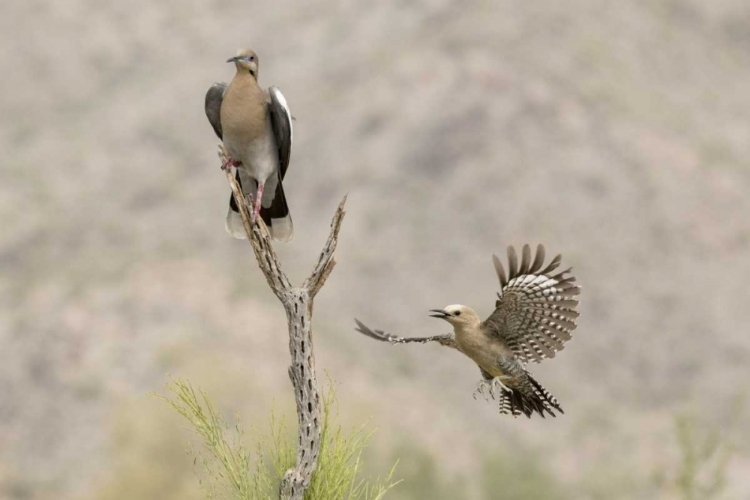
{"x":298,"y":304}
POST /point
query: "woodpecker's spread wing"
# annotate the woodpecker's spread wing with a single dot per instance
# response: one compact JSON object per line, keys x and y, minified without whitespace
{"x":281,"y":121}
{"x":214,"y":98}
{"x":535,"y":313}
{"x":447,"y":340}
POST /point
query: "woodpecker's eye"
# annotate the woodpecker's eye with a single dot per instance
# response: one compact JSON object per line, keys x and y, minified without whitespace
{"x":457,"y":313}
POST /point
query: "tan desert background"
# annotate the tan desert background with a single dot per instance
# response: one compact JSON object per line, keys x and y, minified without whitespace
{"x":615,"y":133}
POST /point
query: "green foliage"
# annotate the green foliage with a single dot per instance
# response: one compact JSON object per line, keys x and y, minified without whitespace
{"x":228,"y":465}
{"x":230,"y":471}
{"x":424,"y":477}
{"x":705,"y":452}
{"x":148,"y":461}
{"x":519,"y":477}
{"x":147,"y":457}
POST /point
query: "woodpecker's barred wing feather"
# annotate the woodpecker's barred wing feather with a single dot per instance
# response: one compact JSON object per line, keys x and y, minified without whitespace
{"x":281,"y":121}
{"x":535,"y":314}
{"x":447,"y":340}
{"x":214,"y":97}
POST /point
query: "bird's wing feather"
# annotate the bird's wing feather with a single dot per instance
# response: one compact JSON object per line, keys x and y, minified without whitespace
{"x":447,"y":340}
{"x":281,"y":121}
{"x":214,"y":97}
{"x":536,"y":311}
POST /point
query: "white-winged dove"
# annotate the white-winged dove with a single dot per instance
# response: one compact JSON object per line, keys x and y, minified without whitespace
{"x":255,"y":126}
{"x":533,"y":318}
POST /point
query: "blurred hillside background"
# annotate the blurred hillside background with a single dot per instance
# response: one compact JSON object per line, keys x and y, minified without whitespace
{"x":616,"y":133}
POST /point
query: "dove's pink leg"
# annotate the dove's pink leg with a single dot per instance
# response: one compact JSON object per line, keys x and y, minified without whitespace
{"x":257,"y":201}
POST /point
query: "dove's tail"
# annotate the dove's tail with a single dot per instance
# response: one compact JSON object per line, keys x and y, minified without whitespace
{"x":275,"y":215}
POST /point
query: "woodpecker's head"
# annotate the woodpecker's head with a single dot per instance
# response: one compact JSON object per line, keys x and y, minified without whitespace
{"x":457,"y":315}
{"x":246,"y":61}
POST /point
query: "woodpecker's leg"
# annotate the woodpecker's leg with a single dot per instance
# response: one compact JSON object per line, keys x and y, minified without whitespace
{"x":481,"y":386}
{"x":490,"y":387}
{"x":256,"y":205}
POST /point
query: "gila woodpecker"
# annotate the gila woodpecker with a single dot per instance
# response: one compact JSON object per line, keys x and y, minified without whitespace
{"x":534,"y":316}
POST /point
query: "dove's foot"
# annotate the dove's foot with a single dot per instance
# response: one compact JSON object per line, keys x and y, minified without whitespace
{"x":229,"y":162}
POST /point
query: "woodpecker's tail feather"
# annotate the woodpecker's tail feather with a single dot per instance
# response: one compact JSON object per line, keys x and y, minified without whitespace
{"x":526,"y":400}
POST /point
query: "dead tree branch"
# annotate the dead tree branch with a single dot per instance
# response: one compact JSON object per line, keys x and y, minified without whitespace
{"x":298,"y":304}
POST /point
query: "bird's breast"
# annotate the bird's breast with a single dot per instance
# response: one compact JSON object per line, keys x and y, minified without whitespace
{"x":483,"y":350}
{"x":244,"y":114}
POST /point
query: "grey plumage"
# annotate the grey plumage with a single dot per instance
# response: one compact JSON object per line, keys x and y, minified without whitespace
{"x":534,"y":317}
{"x":214,"y":97}
{"x":260,"y":144}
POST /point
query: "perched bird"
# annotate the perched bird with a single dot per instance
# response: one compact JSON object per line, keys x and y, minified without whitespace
{"x":534,"y":316}
{"x":255,"y":126}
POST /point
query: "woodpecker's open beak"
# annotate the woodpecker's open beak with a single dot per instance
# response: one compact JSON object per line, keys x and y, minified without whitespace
{"x":438,"y":313}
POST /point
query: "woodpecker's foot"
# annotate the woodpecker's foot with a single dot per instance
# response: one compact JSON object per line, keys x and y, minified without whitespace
{"x":229,"y":162}
{"x":490,"y":388}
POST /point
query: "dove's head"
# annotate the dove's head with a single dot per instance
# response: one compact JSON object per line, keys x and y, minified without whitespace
{"x":457,"y":315}
{"x":246,"y":60}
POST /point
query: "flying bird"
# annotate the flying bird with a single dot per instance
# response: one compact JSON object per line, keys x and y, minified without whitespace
{"x":535,"y":315}
{"x":255,"y":126}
